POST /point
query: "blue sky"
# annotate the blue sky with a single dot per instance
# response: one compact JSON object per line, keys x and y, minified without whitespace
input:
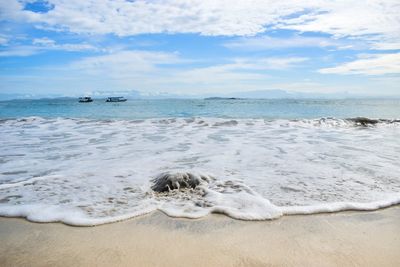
{"x":71,"y":47}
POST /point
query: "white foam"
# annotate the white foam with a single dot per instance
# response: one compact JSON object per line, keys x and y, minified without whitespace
{"x":88,"y":172}
{"x":341,"y":206}
{"x":28,"y":181}
{"x":49,"y":213}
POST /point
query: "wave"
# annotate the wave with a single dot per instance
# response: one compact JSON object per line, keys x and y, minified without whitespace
{"x":207,"y":196}
{"x":89,"y":172}
{"x":212,"y":121}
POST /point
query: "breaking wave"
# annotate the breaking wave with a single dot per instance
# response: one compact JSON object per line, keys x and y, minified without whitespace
{"x":89,"y":172}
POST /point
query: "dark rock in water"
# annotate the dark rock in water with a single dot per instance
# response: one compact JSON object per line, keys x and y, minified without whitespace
{"x":364,"y":121}
{"x":166,"y":182}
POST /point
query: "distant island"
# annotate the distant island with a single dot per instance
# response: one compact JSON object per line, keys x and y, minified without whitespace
{"x":222,"y":98}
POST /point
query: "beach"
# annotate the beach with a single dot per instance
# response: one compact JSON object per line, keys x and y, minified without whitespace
{"x":199,"y":133}
{"x":194,"y":190}
{"x":336,"y":239}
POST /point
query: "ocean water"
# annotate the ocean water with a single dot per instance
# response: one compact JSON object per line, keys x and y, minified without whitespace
{"x":94,"y":163}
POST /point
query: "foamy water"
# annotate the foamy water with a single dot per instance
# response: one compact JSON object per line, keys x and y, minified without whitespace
{"x":88,"y":172}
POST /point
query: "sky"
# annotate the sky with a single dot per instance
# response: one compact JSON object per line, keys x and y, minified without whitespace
{"x":193,"y":47}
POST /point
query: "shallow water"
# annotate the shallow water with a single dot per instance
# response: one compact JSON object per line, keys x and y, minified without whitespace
{"x":91,"y":171}
{"x":186,"y":108}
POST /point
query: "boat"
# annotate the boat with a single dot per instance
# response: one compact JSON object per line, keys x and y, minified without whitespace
{"x":85,"y":99}
{"x":116,"y":99}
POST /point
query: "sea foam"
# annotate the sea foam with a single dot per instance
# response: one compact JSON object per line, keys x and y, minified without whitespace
{"x":89,"y":172}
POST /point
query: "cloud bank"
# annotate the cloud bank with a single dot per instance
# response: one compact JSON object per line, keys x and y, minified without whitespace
{"x":243,"y":44}
{"x":375,"y":21}
{"x":377,"y":64}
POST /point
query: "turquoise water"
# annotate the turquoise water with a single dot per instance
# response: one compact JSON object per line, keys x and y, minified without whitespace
{"x":246,"y":108}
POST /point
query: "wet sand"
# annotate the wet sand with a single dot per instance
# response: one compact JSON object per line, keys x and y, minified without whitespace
{"x":341,"y":239}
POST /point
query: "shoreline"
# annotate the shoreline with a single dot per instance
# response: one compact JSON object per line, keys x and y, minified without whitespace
{"x":338,"y":207}
{"x":349,"y":238}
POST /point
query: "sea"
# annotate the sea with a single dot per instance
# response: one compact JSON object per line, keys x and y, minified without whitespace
{"x":251,"y":159}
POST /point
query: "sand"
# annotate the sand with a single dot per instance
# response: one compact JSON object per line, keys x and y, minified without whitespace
{"x":341,"y":239}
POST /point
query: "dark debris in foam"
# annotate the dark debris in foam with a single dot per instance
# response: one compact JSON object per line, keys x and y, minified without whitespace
{"x":362,"y":121}
{"x":168,"y":181}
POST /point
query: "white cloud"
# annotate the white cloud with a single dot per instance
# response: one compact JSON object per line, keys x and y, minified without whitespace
{"x":267,"y":63}
{"x":49,"y":44}
{"x":20,"y":51}
{"x":44,"y":44}
{"x":124,"y":63}
{"x":239,"y":74}
{"x":389,"y":45}
{"x":169,"y":71}
{"x":3,"y":40}
{"x":280,"y":63}
{"x":375,"y":64}
{"x":375,"y":21}
{"x":150,"y":62}
{"x":266,"y":42}
{"x":151,"y":70}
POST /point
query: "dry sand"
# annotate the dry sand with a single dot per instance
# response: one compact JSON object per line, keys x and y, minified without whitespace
{"x":341,"y":239}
